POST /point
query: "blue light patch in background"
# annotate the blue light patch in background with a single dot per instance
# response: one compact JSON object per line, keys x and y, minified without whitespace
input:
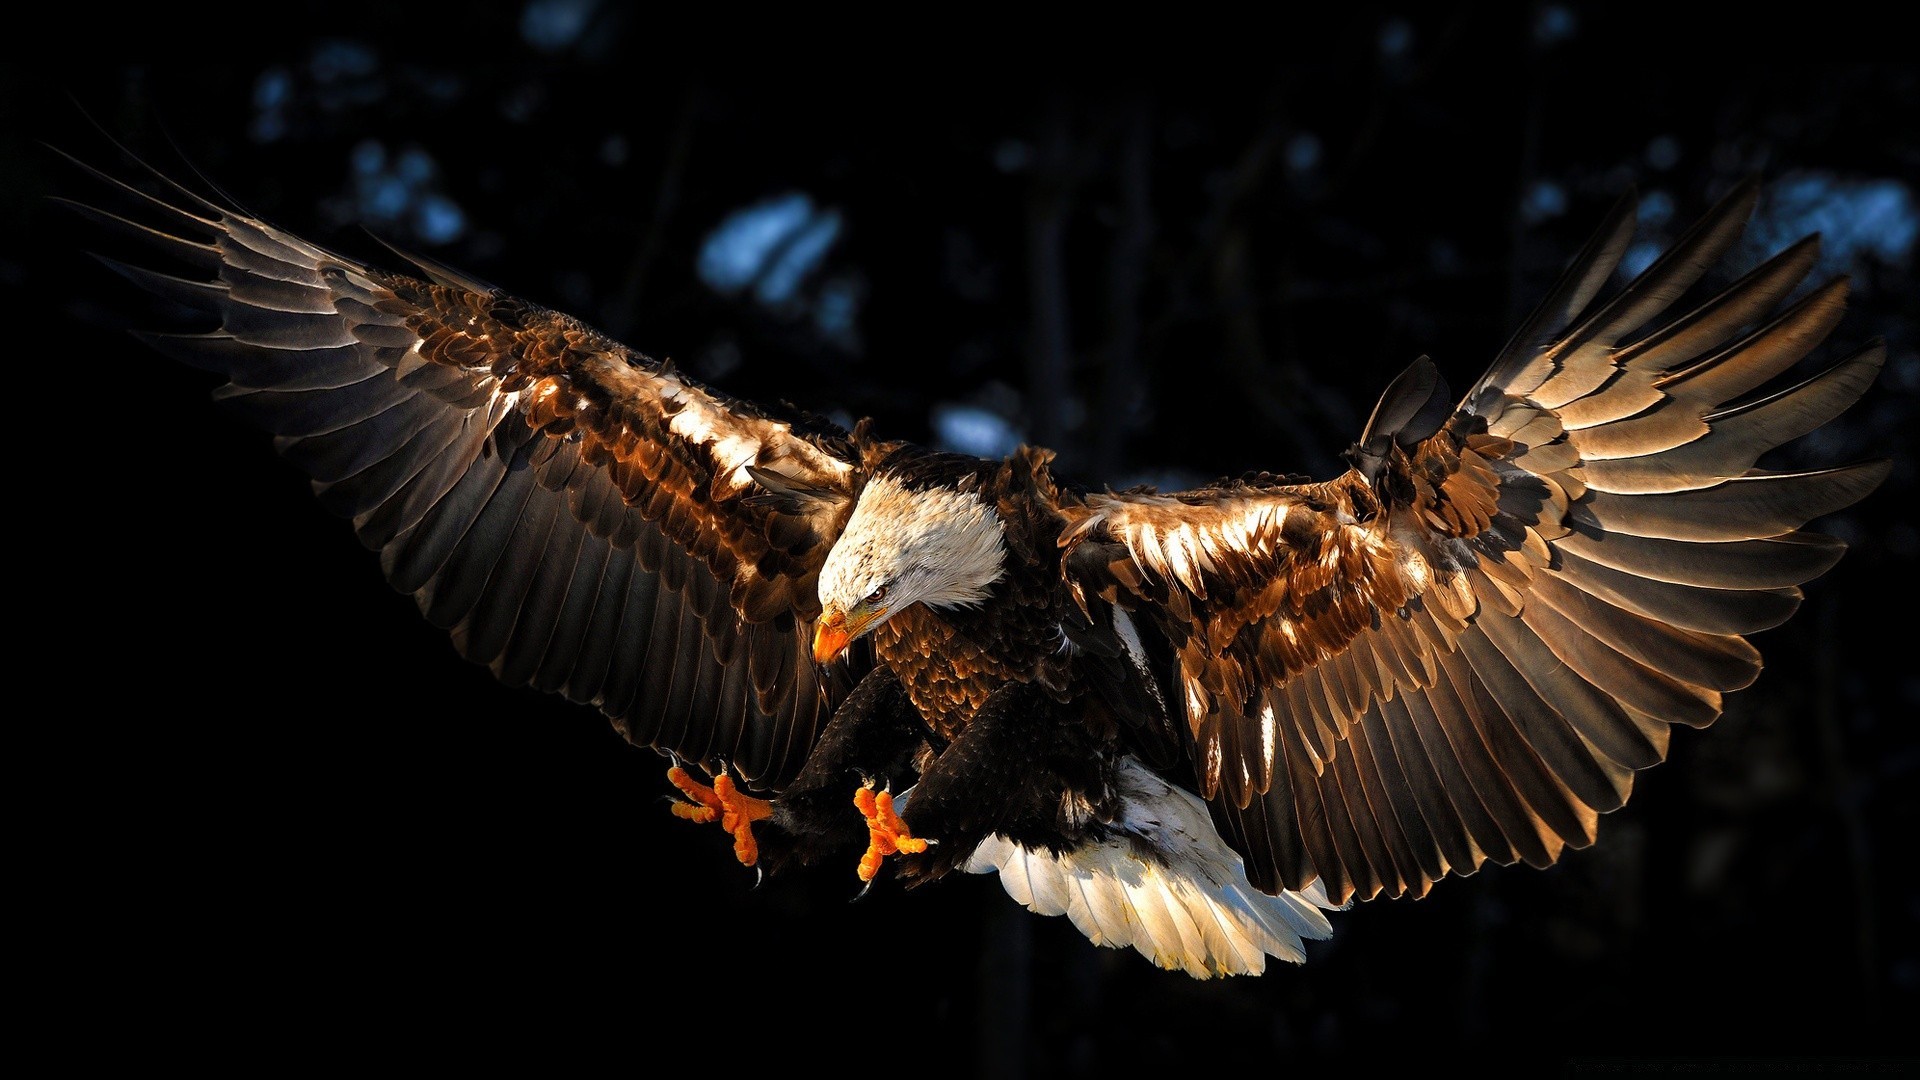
{"x":272,"y":90}
{"x":1555,"y":23}
{"x":774,"y":251}
{"x":553,"y":25}
{"x":1650,"y":217}
{"x":1544,"y":199}
{"x":969,"y":429}
{"x":1655,"y":209}
{"x":414,"y":167}
{"x":771,"y":245}
{"x":1396,"y":37}
{"x":836,"y":310}
{"x":368,"y":157}
{"x":737,"y":248}
{"x":1857,"y":219}
{"x":389,"y":190}
{"x":1638,"y":257}
{"x":438,"y":219}
{"x":796,"y":257}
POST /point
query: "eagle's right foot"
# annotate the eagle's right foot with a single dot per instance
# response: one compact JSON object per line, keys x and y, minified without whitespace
{"x":887,"y":833}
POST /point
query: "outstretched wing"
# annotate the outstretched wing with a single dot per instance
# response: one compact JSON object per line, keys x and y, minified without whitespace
{"x":1462,"y":649}
{"x":580,"y":518}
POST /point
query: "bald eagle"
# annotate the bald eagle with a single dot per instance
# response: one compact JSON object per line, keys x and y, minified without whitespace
{"x":1193,"y":722}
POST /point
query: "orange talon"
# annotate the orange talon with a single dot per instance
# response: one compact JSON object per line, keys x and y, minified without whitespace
{"x":888,"y":834}
{"x":737,"y":811}
{"x":705,"y":805}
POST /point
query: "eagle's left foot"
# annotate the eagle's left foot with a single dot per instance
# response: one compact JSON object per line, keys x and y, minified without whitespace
{"x":735,"y":810}
{"x":887,"y":833}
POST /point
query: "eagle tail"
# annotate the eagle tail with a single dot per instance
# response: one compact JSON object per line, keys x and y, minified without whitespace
{"x":1164,"y":883}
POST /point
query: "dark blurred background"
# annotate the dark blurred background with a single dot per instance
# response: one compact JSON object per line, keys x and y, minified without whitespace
{"x":279,"y":821}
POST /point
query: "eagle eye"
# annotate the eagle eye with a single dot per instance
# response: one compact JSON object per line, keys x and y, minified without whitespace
{"x":879,"y":593}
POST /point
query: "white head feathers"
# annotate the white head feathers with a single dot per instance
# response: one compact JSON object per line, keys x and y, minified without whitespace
{"x":941,"y":546}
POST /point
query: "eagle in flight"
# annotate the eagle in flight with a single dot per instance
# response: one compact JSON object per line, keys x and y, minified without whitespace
{"x":1192,"y":722}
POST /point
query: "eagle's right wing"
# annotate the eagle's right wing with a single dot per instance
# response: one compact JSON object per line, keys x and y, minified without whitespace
{"x":581,"y":518}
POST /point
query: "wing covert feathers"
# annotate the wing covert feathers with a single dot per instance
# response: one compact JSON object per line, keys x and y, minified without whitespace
{"x":1463,"y":649}
{"x":579,"y":517}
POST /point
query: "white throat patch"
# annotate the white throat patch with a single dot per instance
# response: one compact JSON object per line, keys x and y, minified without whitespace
{"x":943,"y":546}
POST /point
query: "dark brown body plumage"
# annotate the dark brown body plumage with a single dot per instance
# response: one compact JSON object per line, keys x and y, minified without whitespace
{"x":951,"y":659}
{"x":1019,"y":739}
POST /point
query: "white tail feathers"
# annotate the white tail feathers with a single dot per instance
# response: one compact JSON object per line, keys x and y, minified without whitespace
{"x":1165,"y":884}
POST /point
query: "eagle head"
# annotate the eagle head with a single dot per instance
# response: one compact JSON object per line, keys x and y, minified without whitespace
{"x":943,"y":546}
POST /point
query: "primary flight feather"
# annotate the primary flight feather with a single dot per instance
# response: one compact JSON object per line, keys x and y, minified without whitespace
{"x":1192,"y":722}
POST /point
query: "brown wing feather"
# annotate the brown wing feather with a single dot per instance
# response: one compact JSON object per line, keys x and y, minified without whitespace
{"x":1472,"y":641}
{"x":578,"y":516}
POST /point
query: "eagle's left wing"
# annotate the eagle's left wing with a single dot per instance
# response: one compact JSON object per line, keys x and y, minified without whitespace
{"x":1462,"y":649}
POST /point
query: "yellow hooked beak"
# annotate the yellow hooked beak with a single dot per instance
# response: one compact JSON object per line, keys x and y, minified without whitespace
{"x":836,"y":630}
